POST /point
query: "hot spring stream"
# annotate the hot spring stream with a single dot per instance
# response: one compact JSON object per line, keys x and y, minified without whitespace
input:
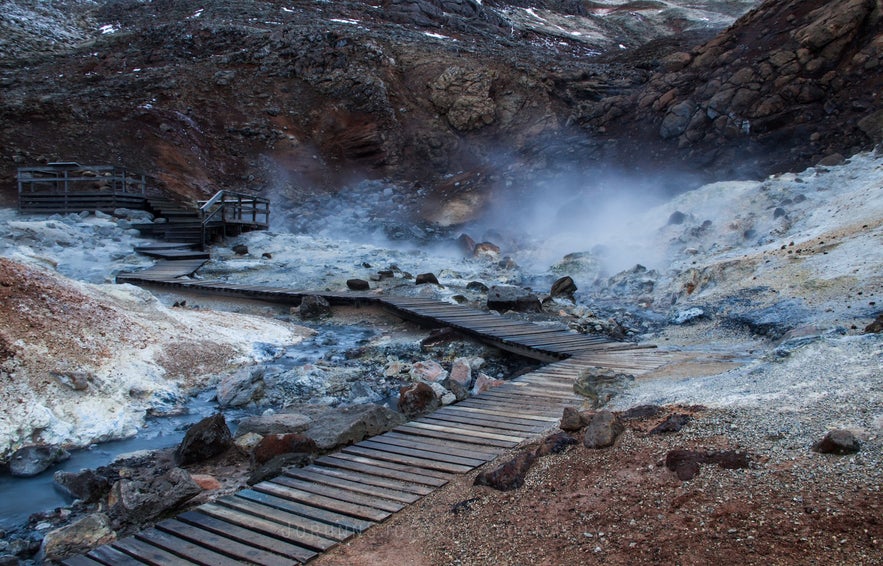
{"x":21,"y":497}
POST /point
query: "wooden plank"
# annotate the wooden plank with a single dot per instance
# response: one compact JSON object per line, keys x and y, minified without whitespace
{"x":274,"y":523}
{"x":379,"y":469}
{"x":247,"y":535}
{"x":222,"y":543}
{"x":539,"y":419}
{"x":149,"y":553}
{"x":319,"y":477}
{"x":316,"y":520}
{"x":405,"y":459}
{"x":186,"y":549}
{"x":445,"y":434}
{"x":329,"y":503}
{"x":425,"y":453}
{"x":370,"y":479}
{"x":112,"y":557}
{"x":480,"y":451}
{"x":81,"y":560}
{"x":473,"y":423}
{"x":455,"y":431}
{"x":447,"y":448}
{"x":488,"y":421}
{"x":342,"y":494}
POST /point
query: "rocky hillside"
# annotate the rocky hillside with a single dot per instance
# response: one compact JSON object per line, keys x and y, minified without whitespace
{"x":311,"y":94}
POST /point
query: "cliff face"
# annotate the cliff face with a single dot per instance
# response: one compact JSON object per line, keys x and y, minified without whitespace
{"x":315,"y":94}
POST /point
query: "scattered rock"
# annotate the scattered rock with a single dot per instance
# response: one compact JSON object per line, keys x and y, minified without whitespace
{"x":209,"y":437}
{"x":461,"y":371}
{"x":555,"y":444}
{"x":509,"y":475}
{"x":875,"y":327}
{"x":277,"y":423}
{"x":417,"y":399}
{"x":34,"y":459}
{"x":424,"y":278}
{"x":641,"y":412}
{"x":428,"y":371}
{"x":477,"y":286}
{"x":444,"y":395}
{"x":686,"y":463}
{"x":273,"y":445}
{"x":77,"y":538}
{"x":136,"y":501}
{"x":357,"y":285}
{"x":563,"y":287}
{"x":602,"y":430}
{"x":486,"y":250}
{"x":242,"y":387}
{"x":600,"y":385}
{"x":460,"y":391}
{"x":838,"y":441}
{"x":673,"y":423}
{"x":484,"y":382}
{"x":240,"y":249}
{"x":504,"y":298}
{"x":206,"y":482}
{"x":571,"y":420}
{"x":314,"y":307}
{"x":86,"y":485}
{"x":689,"y":316}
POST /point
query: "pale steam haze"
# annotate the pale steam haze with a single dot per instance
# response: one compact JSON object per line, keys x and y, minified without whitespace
{"x":603,"y":214}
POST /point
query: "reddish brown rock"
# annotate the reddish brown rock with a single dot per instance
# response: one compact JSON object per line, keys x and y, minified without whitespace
{"x":209,"y":437}
{"x":571,"y":420}
{"x":418,"y":399}
{"x":555,"y":444}
{"x":602,"y":430}
{"x":274,"y":445}
{"x":509,"y":475}
{"x":484,"y":382}
{"x":837,"y":442}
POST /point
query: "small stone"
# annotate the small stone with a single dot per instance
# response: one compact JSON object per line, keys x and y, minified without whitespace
{"x":571,"y":420}
{"x":839,"y":442}
{"x":206,"y":482}
{"x":602,"y":430}
{"x":240,"y":249}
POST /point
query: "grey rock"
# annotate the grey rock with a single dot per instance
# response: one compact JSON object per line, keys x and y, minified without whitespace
{"x":839,"y":442}
{"x":424,"y":278}
{"x":602,"y":430}
{"x":77,"y":538}
{"x":34,"y":459}
{"x":85,"y":485}
{"x":281,"y":423}
{"x":241,"y":388}
{"x":138,"y":500}
{"x":563,"y":287}
{"x":313,"y":307}
{"x":511,"y":298}
{"x":600,"y":385}
{"x":689,"y":316}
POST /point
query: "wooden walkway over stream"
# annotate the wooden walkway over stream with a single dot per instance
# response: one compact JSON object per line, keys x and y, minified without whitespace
{"x":294,"y":517}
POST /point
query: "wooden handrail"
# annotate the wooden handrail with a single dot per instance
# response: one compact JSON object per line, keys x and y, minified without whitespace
{"x":230,"y":205}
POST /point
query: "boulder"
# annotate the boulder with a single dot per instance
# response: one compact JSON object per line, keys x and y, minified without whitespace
{"x":600,"y":385}
{"x":77,"y":538}
{"x":240,"y":249}
{"x":357,"y":285}
{"x":314,"y":307}
{"x":347,"y":425}
{"x":424,"y":278}
{"x":278,"y":423}
{"x":839,"y":442}
{"x":504,"y":298}
{"x":602,"y":430}
{"x":273,"y":445}
{"x":242,"y":387}
{"x":209,"y":437}
{"x":508,"y":475}
{"x":34,"y":459}
{"x":461,"y":371}
{"x":477,"y":286}
{"x":86,"y":485}
{"x":428,"y":371}
{"x":563,"y":287}
{"x":137,"y":500}
{"x":417,"y":399}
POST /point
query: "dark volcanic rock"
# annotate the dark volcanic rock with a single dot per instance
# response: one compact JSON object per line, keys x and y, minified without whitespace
{"x":602,"y":430}
{"x":875,"y":327}
{"x":563,"y":287}
{"x":279,"y":423}
{"x":686,"y":463}
{"x":509,"y":475}
{"x":357,"y":285}
{"x":600,"y":385}
{"x":773,"y":321}
{"x":417,"y":399}
{"x":313,"y":307}
{"x":85,"y":485}
{"x":275,"y":465}
{"x":511,"y":298}
{"x":424,"y":278}
{"x":641,"y":412}
{"x":142,"y":499}
{"x":274,"y":445}
{"x":33,"y":459}
{"x":571,"y":420}
{"x":209,"y":437}
{"x":674,"y":423}
{"x":837,"y":441}
{"x":555,"y":444}
{"x":78,"y":537}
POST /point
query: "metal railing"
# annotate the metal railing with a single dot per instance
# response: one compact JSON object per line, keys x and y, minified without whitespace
{"x":62,"y":181}
{"x":228,"y":207}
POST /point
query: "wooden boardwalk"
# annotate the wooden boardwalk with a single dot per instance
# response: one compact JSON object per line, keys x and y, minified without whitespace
{"x":305,"y":511}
